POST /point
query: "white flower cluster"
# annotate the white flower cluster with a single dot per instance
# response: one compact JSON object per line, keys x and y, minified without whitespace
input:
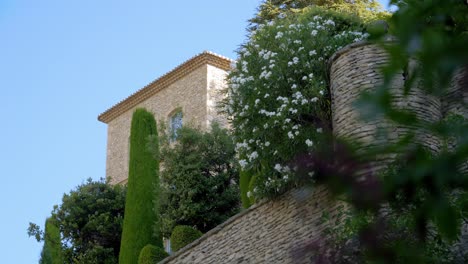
{"x":279,"y":82}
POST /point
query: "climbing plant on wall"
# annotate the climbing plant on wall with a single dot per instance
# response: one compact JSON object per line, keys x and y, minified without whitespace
{"x":415,"y":211}
{"x":278,"y":94}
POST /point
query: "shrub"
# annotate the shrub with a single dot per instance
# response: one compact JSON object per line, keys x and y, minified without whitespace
{"x":199,"y":182}
{"x":182,"y":236}
{"x":141,"y":224}
{"x":90,"y":220}
{"x":278,"y":94}
{"x":151,"y":254}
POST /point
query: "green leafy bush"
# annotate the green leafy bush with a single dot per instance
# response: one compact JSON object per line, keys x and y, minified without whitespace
{"x":416,"y":212}
{"x":199,"y":183}
{"x":182,"y":236}
{"x":141,"y":223}
{"x":278,"y":93}
{"x":368,"y":10}
{"x":90,"y":220}
{"x":151,"y":254}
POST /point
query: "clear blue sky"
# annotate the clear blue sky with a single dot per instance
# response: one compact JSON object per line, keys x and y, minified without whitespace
{"x":64,"y":62}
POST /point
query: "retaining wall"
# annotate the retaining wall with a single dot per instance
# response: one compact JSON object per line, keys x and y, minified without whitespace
{"x":277,"y":231}
{"x":269,"y":232}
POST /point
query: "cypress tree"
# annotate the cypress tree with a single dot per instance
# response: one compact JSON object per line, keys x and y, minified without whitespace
{"x":141,"y":224}
{"x":52,"y":249}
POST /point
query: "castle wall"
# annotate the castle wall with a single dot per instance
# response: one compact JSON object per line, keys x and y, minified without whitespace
{"x":355,"y":69}
{"x":188,"y":93}
{"x":275,"y":231}
{"x":455,"y":101}
{"x":216,"y":84}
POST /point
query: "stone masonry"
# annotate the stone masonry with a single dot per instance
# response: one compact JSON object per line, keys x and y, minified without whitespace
{"x":274,"y":231}
{"x":194,"y":87}
{"x":277,"y":231}
{"x":355,"y":69}
{"x":217,"y":80}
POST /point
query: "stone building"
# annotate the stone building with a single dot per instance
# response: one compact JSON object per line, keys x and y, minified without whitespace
{"x":284,"y":230}
{"x":187,"y":94}
{"x":280,"y":230}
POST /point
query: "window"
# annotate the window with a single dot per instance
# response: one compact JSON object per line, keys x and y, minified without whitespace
{"x":175,"y":124}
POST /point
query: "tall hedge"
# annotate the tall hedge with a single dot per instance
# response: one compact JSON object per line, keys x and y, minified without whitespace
{"x":52,"y":249}
{"x":141,"y":223}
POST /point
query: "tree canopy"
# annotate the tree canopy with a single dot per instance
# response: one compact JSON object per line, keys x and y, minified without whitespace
{"x":199,"y":180}
{"x":268,"y":10}
{"x":90,"y":222}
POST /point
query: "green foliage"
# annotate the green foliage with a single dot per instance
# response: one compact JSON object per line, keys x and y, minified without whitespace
{"x":97,"y":255}
{"x":141,"y":222}
{"x":278,"y":94}
{"x":269,"y":10}
{"x":52,"y":249}
{"x":35,"y":231}
{"x":414,"y":212}
{"x":151,"y":254}
{"x":46,"y":257}
{"x":418,"y":225}
{"x":244,"y":186}
{"x":183,"y":235}
{"x":199,"y":181}
{"x":90,"y":221}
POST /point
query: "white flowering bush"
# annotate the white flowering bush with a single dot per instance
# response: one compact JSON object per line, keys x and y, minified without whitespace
{"x":278,"y":100}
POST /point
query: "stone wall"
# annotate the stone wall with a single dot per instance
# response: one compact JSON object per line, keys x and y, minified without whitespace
{"x":455,"y":101}
{"x":216,"y":84}
{"x":355,"y":69}
{"x":193,"y":87}
{"x":188,"y":93}
{"x":277,"y":231}
{"x":269,"y":232}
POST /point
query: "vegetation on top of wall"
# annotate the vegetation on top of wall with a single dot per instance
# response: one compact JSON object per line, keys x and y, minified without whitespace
{"x":183,"y":235}
{"x":269,"y":10}
{"x":141,"y":221}
{"x":151,"y":254}
{"x":199,"y":183}
{"x":278,"y":94}
{"x":415,"y":211}
{"x":90,"y":221}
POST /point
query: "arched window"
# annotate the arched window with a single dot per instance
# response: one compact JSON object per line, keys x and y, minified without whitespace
{"x":175,"y":123}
